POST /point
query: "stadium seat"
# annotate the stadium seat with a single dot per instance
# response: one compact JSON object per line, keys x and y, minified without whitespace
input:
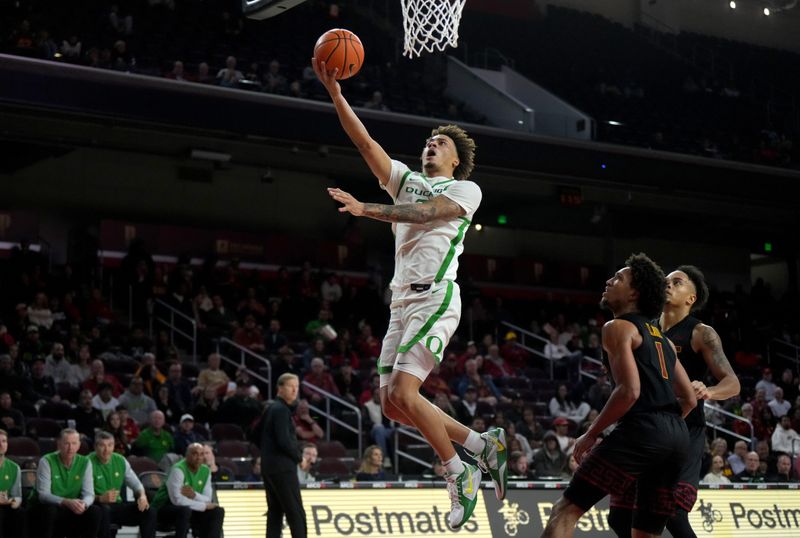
{"x":227,"y":432}
{"x":47,"y":445}
{"x":44,"y":427}
{"x":142,"y":464}
{"x":27,"y":409}
{"x":333,"y":467}
{"x":331,"y":449}
{"x":56,"y":411}
{"x":233,"y":449}
{"x":23,"y":450}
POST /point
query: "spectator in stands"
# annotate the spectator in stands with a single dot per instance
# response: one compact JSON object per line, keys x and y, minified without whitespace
{"x":380,"y":431}
{"x":274,"y":81}
{"x":742,"y":428}
{"x":120,"y":23}
{"x":599,"y":392}
{"x":550,"y":461}
{"x":778,"y":406}
{"x":104,"y":400}
{"x":715,"y":474}
{"x":180,"y":392}
{"x":86,"y":417}
{"x":56,"y":364}
{"x":12,"y":419}
{"x":129,"y":425}
{"x":719,"y":447}
{"x":497,"y":366}
{"x":322,"y":326}
{"x":207,"y":407}
{"x":371,"y":468}
{"x":487,"y":391}
{"x":71,"y":49}
{"x":308,"y":459}
{"x":478,"y":424}
{"x":347,"y":382}
{"x":512,"y":433}
{"x":81,"y":371}
{"x":139,"y":405}
{"x":152,"y":378}
{"x":39,"y":312}
{"x":435,"y":384}
{"x":512,"y":352}
{"x":737,"y":458}
{"x":212,"y":377}
{"x":164,"y":404}
{"x":441,"y":401}
{"x":177,"y":72}
{"x":765,"y":457}
{"x":186,"y":434}
{"x":185,"y":499}
{"x":229,"y":76}
{"x":531,"y":428}
{"x":219,"y":320}
{"x":562,"y":406}
{"x":305,"y":426}
{"x":42,"y":385}
{"x":767,"y":384}
{"x":68,"y":506}
{"x":566,"y":441}
{"x":368,"y":346}
{"x":785,"y":439}
{"x":751,"y":473}
{"x":99,"y":376}
{"x":784,"y":470}
{"x":566,"y":359}
{"x":330,"y":289}
{"x":203,"y":75}
{"x":376,"y":102}
{"x":249,"y":336}
{"x":32,"y":346}
{"x":345,"y":352}
{"x":467,"y":407}
{"x":275,"y":338}
{"x":789,"y":385}
{"x":155,"y":442}
{"x":241,"y":408}
{"x":114,"y":427}
{"x":518,"y":466}
{"x":318,"y":377}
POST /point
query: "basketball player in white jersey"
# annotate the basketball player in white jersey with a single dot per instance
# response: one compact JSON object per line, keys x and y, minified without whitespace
{"x":431,"y":212}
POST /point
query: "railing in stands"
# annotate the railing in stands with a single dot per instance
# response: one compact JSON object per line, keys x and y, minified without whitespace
{"x":225,"y":344}
{"x":781,"y":349}
{"x":590,"y":372}
{"x":166,"y":315}
{"x":399,"y":453}
{"x":751,"y":441}
{"x":332,"y":418}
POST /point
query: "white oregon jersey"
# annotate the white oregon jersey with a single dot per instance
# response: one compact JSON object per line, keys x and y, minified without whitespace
{"x":428,"y":253}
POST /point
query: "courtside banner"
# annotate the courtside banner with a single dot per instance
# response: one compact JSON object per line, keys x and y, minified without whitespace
{"x":747,"y":512}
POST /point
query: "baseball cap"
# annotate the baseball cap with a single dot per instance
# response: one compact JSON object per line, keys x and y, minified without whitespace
{"x":187,"y":416}
{"x":33,"y":329}
{"x":510,"y":335}
{"x":471,"y":343}
{"x":559,"y":421}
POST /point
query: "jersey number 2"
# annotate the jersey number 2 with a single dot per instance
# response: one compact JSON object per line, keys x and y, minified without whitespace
{"x":661,"y":361}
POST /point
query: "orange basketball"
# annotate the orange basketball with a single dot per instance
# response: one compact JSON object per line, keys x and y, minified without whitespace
{"x":342,"y":49}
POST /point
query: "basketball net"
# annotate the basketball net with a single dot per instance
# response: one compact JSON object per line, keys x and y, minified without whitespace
{"x":430,"y":25}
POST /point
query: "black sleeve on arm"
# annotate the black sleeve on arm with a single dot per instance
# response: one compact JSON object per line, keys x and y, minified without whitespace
{"x":286,"y":438}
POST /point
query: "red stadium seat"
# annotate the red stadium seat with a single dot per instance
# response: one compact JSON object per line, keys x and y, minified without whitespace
{"x":23,"y":450}
{"x":233,"y":449}
{"x":227,"y":432}
{"x":44,"y":427}
{"x":331,"y":449}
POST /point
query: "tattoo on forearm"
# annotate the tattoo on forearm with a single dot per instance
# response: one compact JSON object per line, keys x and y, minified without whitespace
{"x":412,"y":213}
{"x":712,"y":341}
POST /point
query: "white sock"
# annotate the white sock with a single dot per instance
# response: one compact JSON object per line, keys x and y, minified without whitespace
{"x":454,"y":465}
{"x":474,"y":442}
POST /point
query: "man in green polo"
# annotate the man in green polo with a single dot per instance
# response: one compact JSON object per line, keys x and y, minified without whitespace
{"x":12,"y":517}
{"x":155,"y":441}
{"x":64,"y":495}
{"x":184,"y":500}
{"x":112,"y":473}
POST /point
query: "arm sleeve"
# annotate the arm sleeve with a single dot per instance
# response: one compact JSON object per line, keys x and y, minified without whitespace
{"x":16,"y":488}
{"x":467,"y":194}
{"x":174,"y":484}
{"x":399,"y":171}
{"x":87,"y":486}
{"x":131,"y":480}
{"x":43,"y":484}
{"x":285,"y":436}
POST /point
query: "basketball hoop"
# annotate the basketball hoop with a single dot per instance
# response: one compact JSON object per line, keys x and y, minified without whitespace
{"x":430,"y":25}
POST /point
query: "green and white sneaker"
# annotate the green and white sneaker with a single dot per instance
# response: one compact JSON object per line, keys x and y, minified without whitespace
{"x":493,"y":458}
{"x":463,"y":490}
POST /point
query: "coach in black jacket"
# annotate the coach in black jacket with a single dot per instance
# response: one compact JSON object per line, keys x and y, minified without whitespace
{"x":280,"y":454}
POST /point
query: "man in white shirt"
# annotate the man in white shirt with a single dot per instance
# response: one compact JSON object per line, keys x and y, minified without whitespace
{"x":139,"y":404}
{"x":766,"y":383}
{"x":736,"y":460}
{"x":785,"y":439}
{"x":430,"y":214}
{"x":56,"y":364}
{"x":778,"y":405}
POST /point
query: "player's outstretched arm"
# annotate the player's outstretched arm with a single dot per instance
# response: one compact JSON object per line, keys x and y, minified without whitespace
{"x":706,"y":340}
{"x":618,"y":341}
{"x":377,"y":159}
{"x":437,"y":208}
{"x":683,"y":389}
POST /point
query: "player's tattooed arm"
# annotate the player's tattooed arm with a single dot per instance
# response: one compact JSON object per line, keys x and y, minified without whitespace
{"x":706,"y":340}
{"x":438,"y":208}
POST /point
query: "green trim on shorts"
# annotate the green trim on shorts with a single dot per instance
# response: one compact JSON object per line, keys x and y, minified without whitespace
{"x":431,"y":320}
{"x":385,"y":369}
{"x":402,"y":182}
{"x":452,"y":252}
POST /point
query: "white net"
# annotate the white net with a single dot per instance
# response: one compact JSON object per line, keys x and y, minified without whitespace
{"x":430,"y":25}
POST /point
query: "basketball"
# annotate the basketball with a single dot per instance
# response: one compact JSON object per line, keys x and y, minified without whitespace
{"x":342,"y":49}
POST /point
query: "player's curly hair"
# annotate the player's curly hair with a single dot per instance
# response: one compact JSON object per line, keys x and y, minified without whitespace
{"x":699,"y":281}
{"x":465,"y":148}
{"x":648,"y":279}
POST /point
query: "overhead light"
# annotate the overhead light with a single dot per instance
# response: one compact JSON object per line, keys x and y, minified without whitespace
{"x":478,"y":227}
{"x":205,"y":155}
{"x":732,"y":4}
{"x":612,"y":122}
{"x":766,"y":11}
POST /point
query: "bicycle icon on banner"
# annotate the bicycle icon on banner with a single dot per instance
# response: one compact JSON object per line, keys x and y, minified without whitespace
{"x":514,"y":517}
{"x":709,"y":515}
